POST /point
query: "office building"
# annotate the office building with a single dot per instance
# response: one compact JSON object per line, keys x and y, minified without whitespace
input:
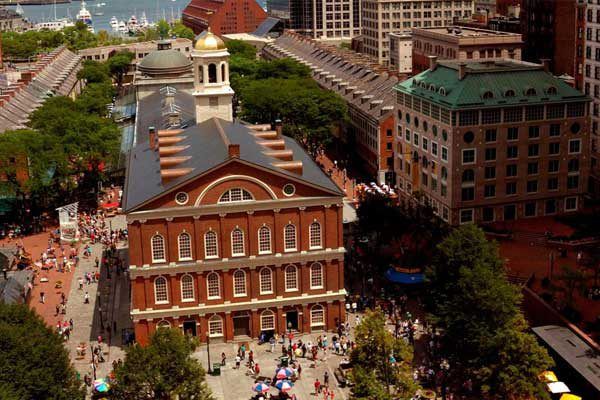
{"x":223,"y":16}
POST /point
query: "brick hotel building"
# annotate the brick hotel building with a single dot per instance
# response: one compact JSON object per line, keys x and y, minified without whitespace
{"x":233,"y":229}
{"x":492,"y":140}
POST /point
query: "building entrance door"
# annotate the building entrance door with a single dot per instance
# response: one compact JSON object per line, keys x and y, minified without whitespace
{"x":189,"y":328}
{"x":241,"y":325}
{"x":291,"y":320}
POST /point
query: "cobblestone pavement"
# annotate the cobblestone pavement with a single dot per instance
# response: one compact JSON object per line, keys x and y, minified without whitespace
{"x":236,"y":384}
{"x":111,"y":296}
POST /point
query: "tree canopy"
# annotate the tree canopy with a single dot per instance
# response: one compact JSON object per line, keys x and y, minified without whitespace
{"x":374,"y":373}
{"x":119,"y":64}
{"x":161,"y":370}
{"x":34,"y":364}
{"x":485,"y":334}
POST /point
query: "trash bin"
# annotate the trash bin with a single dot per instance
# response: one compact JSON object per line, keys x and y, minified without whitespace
{"x":285,"y":361}
{"x":216,"y":369}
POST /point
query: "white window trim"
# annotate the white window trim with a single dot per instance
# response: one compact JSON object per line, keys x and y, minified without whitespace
{"x":322,"y":276}
{"x":320,"y":246}
{"x":166,"y":287}
{"x":295,"y":248}
{"x":243,"y":253}
{"x":295,"y":289}
{"x":158,"y":260}
{"x":270,"y":251}
{"x":179,"y":247}
{"x":445,"y":160}
{"x":260,"y":281}
{"x":318,"y":324}
{"x":271,"y":314}
{"x":472,"y":216}
{"x":165,"y":324}
{"x":245,"y":284}
{"x":181,"y":289}
{"x":569,"y":148}
{"x":576,"y":203}
{"x":462,"y":156}
{"x":215,"y":318}
{"x":206,"y":256}
{"x":208,"y":296}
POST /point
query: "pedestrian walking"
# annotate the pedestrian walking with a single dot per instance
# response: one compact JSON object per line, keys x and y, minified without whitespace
{"x":317,"y":385}
{"x":86,"y":298}
{"x":223,"y":359}
{"x":238,"y":360}
{"x":80,"y":281}
{"x":326,"y":379}
{"x":71,"y":324}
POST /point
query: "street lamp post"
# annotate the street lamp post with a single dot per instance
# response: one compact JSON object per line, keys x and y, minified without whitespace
{"x":208,"y":351}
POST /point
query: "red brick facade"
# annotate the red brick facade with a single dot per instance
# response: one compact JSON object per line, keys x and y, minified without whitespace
{"x":223,"y":17}
{"x":301,"y":288}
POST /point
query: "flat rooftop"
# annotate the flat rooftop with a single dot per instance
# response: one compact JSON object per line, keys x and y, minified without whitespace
{"x":466,"y":32}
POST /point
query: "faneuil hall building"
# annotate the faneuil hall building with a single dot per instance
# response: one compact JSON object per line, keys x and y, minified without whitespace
{"x":234,"y":230}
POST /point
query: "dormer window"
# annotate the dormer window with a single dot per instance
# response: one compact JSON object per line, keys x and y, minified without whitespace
{"x":432,"y":87}
{"x":530,"y":92}
{"x":423,"y":85}
{"x":442,"y":91}
{"x":551,"y":91}
{"x":509,"y":93}
{"x":488,"y":95}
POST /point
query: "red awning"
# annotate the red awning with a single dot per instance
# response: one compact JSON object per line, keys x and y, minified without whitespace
{"x":111,"y":205}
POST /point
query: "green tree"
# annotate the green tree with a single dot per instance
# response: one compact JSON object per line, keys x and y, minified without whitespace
{"x":119,"y":64}
{"x":374,"y":374}
{"x":34,"y":363}
{"x":182,"y":31}
{"x":79,"y":37}
{"x":163,"y":29}
{"x":162,"y":370}
{"x":241,"y":49}
{"x":94,"y":72}
{"x":574,"y":280}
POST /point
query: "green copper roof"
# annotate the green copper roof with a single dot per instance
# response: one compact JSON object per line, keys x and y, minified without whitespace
{"x":490,"y":83}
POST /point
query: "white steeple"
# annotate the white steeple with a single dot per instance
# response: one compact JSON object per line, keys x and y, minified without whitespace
{"x":211,"y":78}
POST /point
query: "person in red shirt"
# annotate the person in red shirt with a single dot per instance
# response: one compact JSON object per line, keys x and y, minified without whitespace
{"x":317,"y":386}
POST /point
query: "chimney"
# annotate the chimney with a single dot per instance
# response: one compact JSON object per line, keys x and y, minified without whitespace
{"x":169,"y":98}
{"x":546,"y":64}
{"x":152,"y":138}
{"x":174,"y":118}
{"x":279,"y":128}
{"x":462,"y":70}
{"x":234,"y":150}
{"x":432,"y":63}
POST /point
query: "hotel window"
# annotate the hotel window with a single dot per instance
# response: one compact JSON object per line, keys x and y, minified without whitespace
{"x":158,"y":248}
{"x":490,"y":172}
{"x":534,"y":113}
{"x":317,"y":316}
{"x":572,"y":181}
{"x":210,"y":245}
{"x":512,"y":133}
{"x":511,"y":188}
{"x":553,"y":184}
{"x":468,"y":118}
{"x":289,"y":237}
{"x":573,"y":165}
{"x":425,"y":144}
{"x":444,"y":153}
{"x":490,"y":135}
{"x":466,"y":216}
{"x":490,"y":116}
{"x":235,"y":195}
{"x":215,"y":326}
{"x":554,"y":130}
{"x":576,"y":110}
{"x":407,"y":135}
{"x":468,"y":156}
{"x":532,"y":186}
{"x":416,"y":139}
{"x":213,"y":286}
{"x":291,"y":278}
{"x":571,"y":204}
{"x":574,"y":146}
{"x":490,"y":191}
{"x":239,"y":283}
{"x":434,"y":148}
{"x":532,"y":168}
{"x":316,"y":276}
{"x":264,"y":240}
{"x":530,"y":209}
{"x":315,"y":235}
{"x":554,"y":148}
{"x":187,"y":288}
{"x":533,"y":150}
{"x":467,"y":193}
{"x":555,"y":111}
{"x":160,"y":290}
{"x":488,"y":214}
{"x":553,"y":165}
{"x":490,"y":154}
{"x":237,"y":243}
{"x":267,"y":320}
{"x":534,"y":132}
{"x":513,"y":114}
{"x":266,"y":281}
{"x":185,"y":246}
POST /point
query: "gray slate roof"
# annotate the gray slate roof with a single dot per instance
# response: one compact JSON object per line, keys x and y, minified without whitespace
{"x":207,"y":151}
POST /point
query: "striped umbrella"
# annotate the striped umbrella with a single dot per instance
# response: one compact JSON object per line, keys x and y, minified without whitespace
{"x":261,"y":387}
{"x":284,"y":386}
{"x":284,"y":373}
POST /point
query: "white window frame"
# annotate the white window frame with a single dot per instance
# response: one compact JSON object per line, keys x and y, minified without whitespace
{"x":291,"y":267}
{"x":215,"y":326}
{"x":576,"y":203}
{"x":183,"y":290}
{"x":162,"y":324}
{"x":462,"y":156}
{"x":270,"y":316}
{"x":573,"y":141}
{"x":226,"y":197}
{"x":154,"y":249}
{"x":315,"y":239}
{"x":166,"y":294}
{"x":180,"y":247}
{"x":239,"y":273}
{"x":317,"y":308}
{"x":264,"y":240}
{"x":208,"y":287}
{"x":234,"y":244}
{"x":444,"y":151}
{"x":207,"y":254}
{"x":264,"y":286}
{"x":472,"y":216}
{"x":287,"y":240}
{"x":434,"y":145}
{"x":313,"y":275}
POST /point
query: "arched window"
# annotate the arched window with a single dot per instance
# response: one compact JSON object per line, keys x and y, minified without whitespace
{"x":291,"y":278}
{"x":213,"y":286}
{"x":215,"y":326}
{"x":317,"y":316}
{"x":267,"y":320}
{"x":223,"y":73}
{"x":158,"y":248}
{"x":264,"y":240}
{"x":235,"y":195}
{"x":488,"y":95}
{"x":185,"y":246}
{"x":160,"y":290}
{"x":442,"y":91}
{"x":315,"y":235}
{"x":551,"y":90}
{"x":468,"y":176}
{"x":530,"y":92}
{"x":210,"y":245}
{"x":164,"y":324}
{"x":187,"y":288}
{"x":509,"y":93}
{"x":212,"y":73}
{"x":316,"y":276}
{"x":239,"y":283}
{"x":237,"y":242}
{"x":289,"y":237}
{"x":266,"y":281}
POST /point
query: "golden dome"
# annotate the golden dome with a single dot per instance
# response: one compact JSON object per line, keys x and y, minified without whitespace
{"x":208,"y":41}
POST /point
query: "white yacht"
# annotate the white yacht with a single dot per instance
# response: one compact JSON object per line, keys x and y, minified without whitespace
{"x":144,"y":20}
{"x":122,"y":28}
{"x":114,"y":23}
{"x":56,"y":25}
{"x":84,"y":15}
